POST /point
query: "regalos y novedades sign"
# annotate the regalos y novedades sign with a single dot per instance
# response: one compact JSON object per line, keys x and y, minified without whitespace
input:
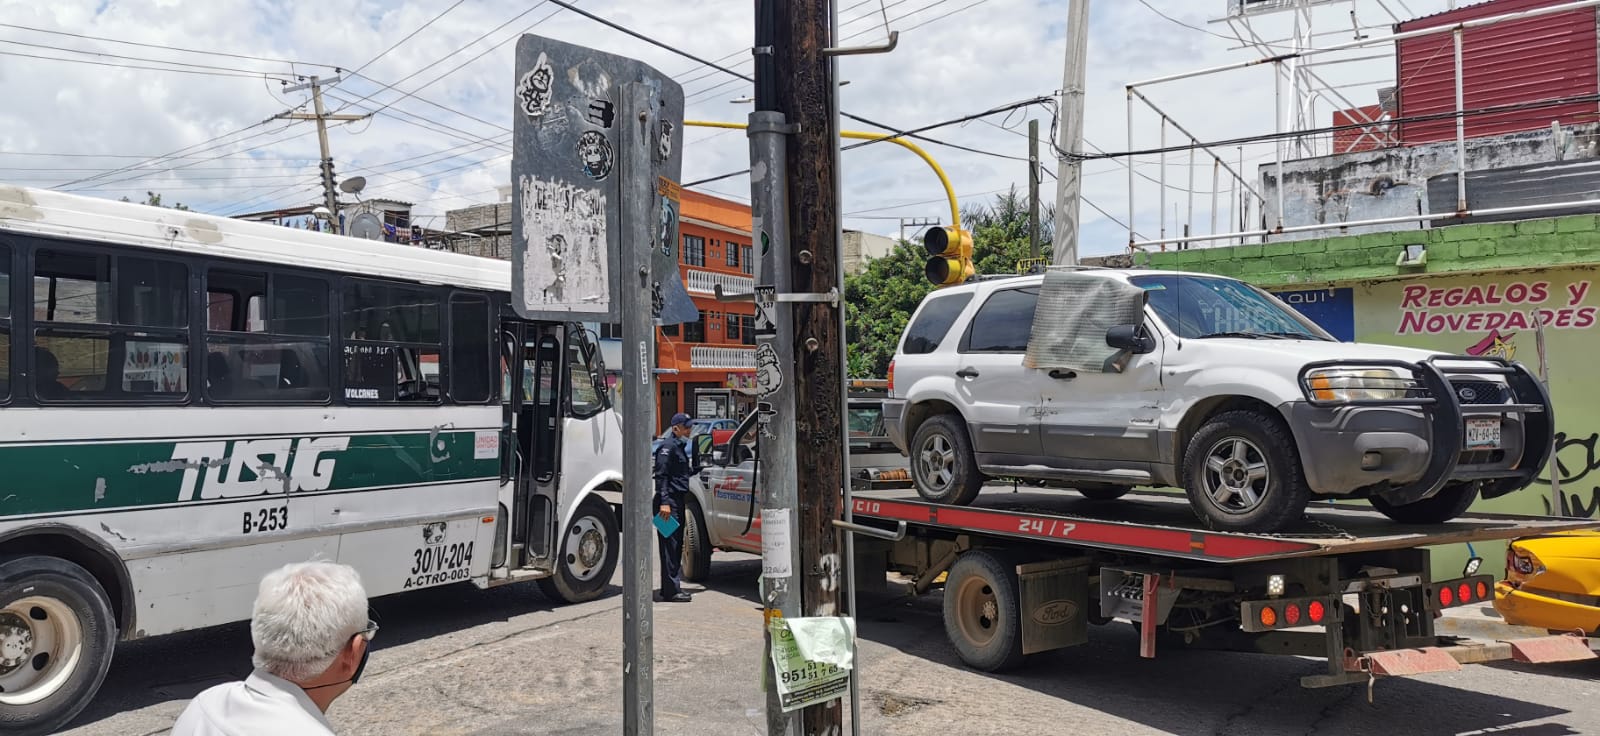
{"x":1519,"y":305}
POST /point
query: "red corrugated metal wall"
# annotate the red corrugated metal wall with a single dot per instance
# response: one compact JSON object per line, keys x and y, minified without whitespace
{"x":1550,"y":57}
{"x":1373,"y":136}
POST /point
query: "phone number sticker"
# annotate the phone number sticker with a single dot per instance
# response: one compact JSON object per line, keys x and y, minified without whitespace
{"x":802,"y":682}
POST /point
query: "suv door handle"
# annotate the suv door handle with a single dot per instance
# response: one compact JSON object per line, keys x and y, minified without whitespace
{"x":1062,"y":375}
{"x":968,"y":372}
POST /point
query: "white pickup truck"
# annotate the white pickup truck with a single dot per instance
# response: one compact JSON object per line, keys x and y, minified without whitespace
{"x":1103,"y":380}
{"x":722,"y":512}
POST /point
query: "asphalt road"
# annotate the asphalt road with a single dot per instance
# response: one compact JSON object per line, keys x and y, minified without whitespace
{"x":459,"y":660}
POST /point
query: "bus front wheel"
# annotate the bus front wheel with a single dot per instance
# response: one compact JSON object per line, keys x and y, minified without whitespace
{"x":57,"y":634}
{"x":588,"y":554}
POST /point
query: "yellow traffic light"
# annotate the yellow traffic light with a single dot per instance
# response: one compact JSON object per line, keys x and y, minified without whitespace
{"x":950,"y":249}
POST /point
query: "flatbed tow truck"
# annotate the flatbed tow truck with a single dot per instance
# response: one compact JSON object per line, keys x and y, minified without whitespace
{"x":1029,"y":570}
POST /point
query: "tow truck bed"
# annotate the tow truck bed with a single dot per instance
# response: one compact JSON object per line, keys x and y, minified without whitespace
{"x":1163,"y":525}
{"x":1028,"y":571}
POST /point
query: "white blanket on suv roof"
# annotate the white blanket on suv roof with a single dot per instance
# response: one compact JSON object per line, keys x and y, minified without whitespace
{"x":1069,"y":326}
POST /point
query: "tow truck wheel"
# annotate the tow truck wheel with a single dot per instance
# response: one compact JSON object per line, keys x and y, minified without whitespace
{"x":1242,"y":473}
{"x":942,"y":463}
{"x":696,"y":544}
{"x":981,"y":612}
{"x":1450,"y":502}
{"x":57,"y":633}
{"x":588,"y":555}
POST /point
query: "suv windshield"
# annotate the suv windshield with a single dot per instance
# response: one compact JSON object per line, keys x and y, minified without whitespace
{"x":1198,"y":307}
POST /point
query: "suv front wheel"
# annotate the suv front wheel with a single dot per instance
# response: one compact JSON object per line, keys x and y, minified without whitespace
{"x":942,"y":463}
{"x":1242,"y":473}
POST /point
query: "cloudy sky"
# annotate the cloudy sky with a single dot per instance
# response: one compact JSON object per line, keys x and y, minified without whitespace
{"x":115,"y":98}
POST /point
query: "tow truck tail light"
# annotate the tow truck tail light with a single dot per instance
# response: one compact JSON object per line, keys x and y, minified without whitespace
{"x":1271,"y":615}
{"x":891,"y":378}
{"x":1464,"y":591}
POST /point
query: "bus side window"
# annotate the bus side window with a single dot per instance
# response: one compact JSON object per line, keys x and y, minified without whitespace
{"x":266,"y":338}
{"x":5,"y":322}
{"x":586,"y":400}
{"x":89,"y":347}
{"x":471,"y":348}
{"x":394,"y":356}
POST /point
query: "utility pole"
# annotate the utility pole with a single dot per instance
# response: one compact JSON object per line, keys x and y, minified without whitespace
{"x":769,"y":197}
{"x":330,"y":195}
{"x":1033,"y":189}
{"x":916,"y":222}
{"x":795,"y":76}
{"x":1069,"y":179}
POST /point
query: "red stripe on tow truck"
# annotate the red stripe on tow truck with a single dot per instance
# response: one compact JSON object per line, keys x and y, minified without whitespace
{"x":1176,"y":541}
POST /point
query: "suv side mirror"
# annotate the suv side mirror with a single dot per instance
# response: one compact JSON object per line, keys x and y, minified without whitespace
{"x":1130,"y":338}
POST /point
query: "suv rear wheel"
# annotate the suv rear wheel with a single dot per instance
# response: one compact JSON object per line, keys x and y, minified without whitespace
{"x":1242,"y":473}
{"x":942,"y":463}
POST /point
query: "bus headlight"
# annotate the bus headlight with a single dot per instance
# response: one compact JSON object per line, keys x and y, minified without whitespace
{"x":1352,"y":384}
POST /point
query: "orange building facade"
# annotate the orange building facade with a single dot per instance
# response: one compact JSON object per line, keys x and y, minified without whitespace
{"x":715,"y":357}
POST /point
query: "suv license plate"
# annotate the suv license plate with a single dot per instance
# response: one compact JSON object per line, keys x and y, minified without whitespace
{"x":1483,"y":434}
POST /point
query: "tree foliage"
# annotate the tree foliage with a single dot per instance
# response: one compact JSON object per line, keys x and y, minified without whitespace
{"x":880,"y":299}
{"x":154,"y":200}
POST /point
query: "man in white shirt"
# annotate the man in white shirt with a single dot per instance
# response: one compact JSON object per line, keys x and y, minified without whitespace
{"x":311,"y":636}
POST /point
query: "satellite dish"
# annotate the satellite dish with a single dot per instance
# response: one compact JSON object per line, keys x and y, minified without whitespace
{"x":365,"y":225}
{"x":353,"y":185}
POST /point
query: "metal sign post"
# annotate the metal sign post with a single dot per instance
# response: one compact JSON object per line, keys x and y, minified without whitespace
{"x":595,"y":163}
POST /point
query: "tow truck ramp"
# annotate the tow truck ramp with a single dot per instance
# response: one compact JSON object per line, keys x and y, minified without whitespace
{"x":1028,"y":571}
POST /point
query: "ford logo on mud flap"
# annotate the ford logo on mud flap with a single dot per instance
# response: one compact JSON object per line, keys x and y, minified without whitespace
{"x":1055,"y":612}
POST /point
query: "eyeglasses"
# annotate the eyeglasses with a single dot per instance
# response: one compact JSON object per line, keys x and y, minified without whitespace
{"x":370,"y":631}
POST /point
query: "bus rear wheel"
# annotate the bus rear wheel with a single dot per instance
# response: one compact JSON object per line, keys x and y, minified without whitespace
{"x":588,"y":555}
{"x":57,"y":634}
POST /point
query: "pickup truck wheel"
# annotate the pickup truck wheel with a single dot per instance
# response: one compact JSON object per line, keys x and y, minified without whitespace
{"x":1450,"y":502}
{"x":1242,"y":473}
{"x":1102,"y":493}
{"x":942,"y":463}
{"x":981,"y":612}
{"x":696,"y":544}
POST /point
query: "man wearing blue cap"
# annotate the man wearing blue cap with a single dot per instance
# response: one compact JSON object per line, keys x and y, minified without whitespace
{"x":672,"y":484}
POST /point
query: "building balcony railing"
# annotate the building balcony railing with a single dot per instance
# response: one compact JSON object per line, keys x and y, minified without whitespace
{"x":705,"y":282}
{"x":723,"y":358}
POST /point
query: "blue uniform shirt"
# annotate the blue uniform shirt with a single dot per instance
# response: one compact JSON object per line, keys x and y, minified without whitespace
{"x":672,"y":469}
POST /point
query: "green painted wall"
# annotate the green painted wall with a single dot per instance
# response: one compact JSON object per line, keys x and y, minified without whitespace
{"x":1476,"y":293}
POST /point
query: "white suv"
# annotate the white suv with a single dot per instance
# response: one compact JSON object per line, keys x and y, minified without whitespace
{"x":1204,"y":383}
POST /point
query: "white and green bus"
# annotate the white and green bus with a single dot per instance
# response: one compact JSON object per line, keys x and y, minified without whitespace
{"x":188,"y":401}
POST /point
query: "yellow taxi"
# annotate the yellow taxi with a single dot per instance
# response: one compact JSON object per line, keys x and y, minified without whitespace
{"x":1552,"y":582}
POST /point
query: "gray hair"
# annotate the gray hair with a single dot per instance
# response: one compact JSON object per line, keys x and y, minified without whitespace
{"x":304,"y":614}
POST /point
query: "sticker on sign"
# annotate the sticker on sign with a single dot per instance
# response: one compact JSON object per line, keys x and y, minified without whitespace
{"x":776,"y":552}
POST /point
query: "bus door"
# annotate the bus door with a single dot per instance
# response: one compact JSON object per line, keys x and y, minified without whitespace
{"x":533,"y":353}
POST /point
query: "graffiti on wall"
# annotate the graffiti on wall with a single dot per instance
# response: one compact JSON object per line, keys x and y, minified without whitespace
{"x":1575,"y":460}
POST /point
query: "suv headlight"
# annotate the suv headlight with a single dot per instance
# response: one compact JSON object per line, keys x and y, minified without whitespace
{"x":1356,"y":384}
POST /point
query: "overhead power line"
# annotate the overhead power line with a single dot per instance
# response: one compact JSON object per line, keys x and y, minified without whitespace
{"x":897,"y":133}
{"x":164,"y":47}
{"x":409,"y":37}
{"x":203,"y":72}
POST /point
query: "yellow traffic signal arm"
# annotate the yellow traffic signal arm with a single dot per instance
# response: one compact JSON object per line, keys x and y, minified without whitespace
{"x":949,"y":192}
